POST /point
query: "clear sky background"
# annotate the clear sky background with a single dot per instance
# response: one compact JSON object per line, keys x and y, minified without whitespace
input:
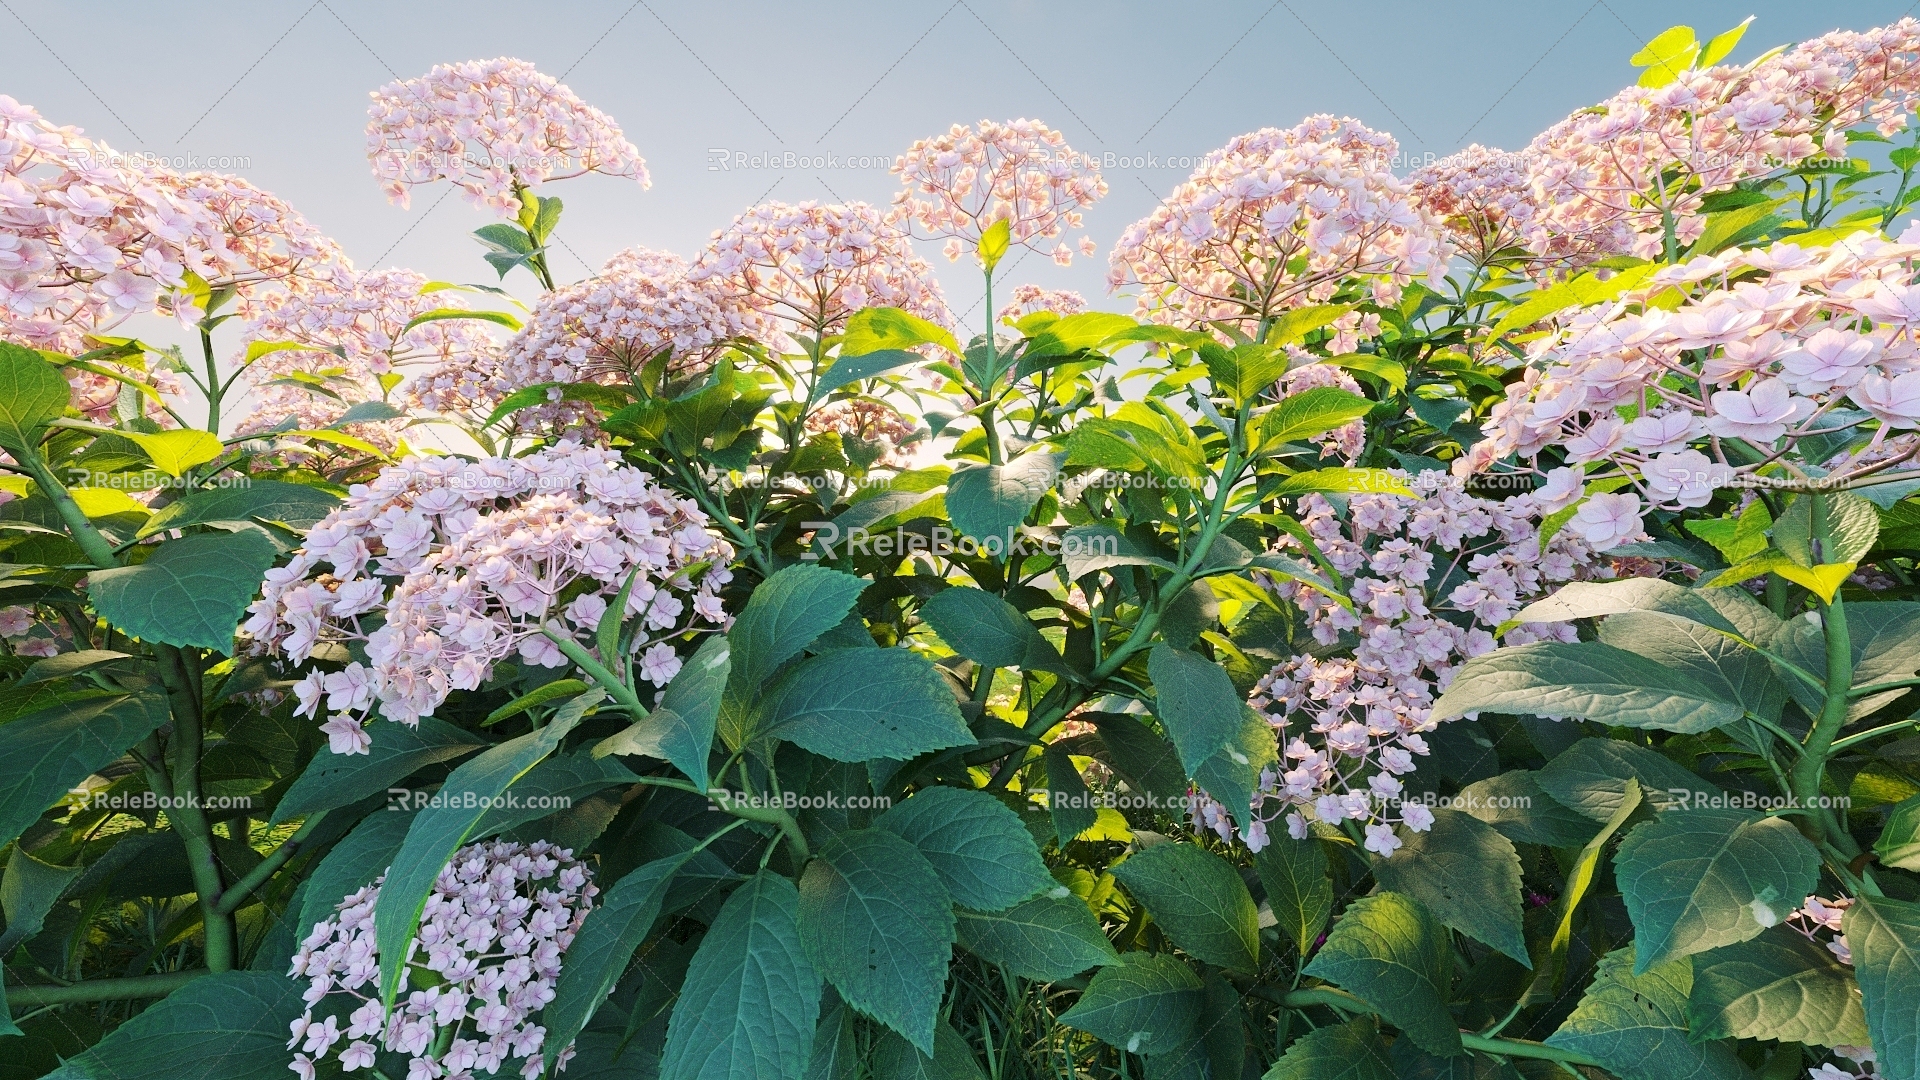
{"x":277,"y":92}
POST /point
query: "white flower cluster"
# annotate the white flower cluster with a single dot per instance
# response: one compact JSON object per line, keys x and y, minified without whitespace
{"x":494,"y":929}
{"x":1430,"y":578}
{"x":444,"y":567}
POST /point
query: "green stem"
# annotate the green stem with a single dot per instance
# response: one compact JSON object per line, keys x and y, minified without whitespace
{"x":1875,"y":688}
{"x":186,"y":814}
{"x":139,"y":986}
{"x":213,"y":380}
{"x":571,"y":648}
{"x":1817,"y":748}
{"x":239,"y":891}
{"x":1520,"y":1048}
{"x":1872,"y":733}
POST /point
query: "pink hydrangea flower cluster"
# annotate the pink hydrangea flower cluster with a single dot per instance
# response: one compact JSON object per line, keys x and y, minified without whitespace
{"x":1430,"y":578}
{"x":492,"y":127}
{"x":1030,"y":299}
{"x":1610,"y":179}
{"x":1483,"y":199}
{"x":869,"y":423}
{"x":17,"y":625}
{"x":90,"y":238}
{"x":493,"y":933}
{"x":812,"y":266}
{"x":1223,"y":245}
{"x":444,"y":567}
{"x":351,"y":329}
{"x":641,"y":305}
{"x":1021,"y":172}
{"x":1770,"y":346}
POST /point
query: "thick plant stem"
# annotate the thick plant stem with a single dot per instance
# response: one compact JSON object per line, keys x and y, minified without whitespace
{"x":1810,"y":768}
{"x":139,"y":986}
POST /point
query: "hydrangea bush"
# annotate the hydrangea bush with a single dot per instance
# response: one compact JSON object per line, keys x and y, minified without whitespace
{"x":1458,"y":622}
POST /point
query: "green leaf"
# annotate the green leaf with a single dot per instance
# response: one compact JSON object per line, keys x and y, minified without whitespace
{"x":988,"y":502}
{"x":1591,"y":775}
{"x":32,"y":392}
{"x":295,"y":506}
{"x":439,"y":830}
{"x":1727,"y":228}
{"x":852,"y":369}
{"x":1778,"y":986}
{"x":360,"y":856}
{"x":191,"y":592}
{"x":1387,"y":371}
{"x":993,"y":243}
{"x":498,"y":318}
{"x":1046,"y":938}
{"x":1343,"y":481}
{"x":1585,"y":865}
{"x":1467,"y":874}
{"x":396,"y":752}
{"x":27,"y":893}
{"x":1852,"y":525}
{"x":1899,"y":841}
{"x":1593,"y":599}
{"x":989,"y":631}
{"x":1349,"y":1051}
{"x":1636,"y":1025}
{"x":50,"y":751}
{"x":559,"y":783}
{"x":1195,"y":701}
{"x":1147,"y":762}
{"x":981,"y":851}
{"x":680,"y":729}
{"x":1666,"y":56}
{"x":616,"y":926}
{"x":1389,"y":950}
{"x":1587,"y":680}
{"x":1198,"y":899}
{"x":783,"y":616}
{"x":1068,"y":804}
{"x":1702,"y":878}
{"x":1587,"y":289}
{"x":1233,"y":773}
{"x":1294,"y":874}
{"x":1882,"y":934}
{"x":1305,"y":415}
{"x":894,"y":1058}
{"x":174,"y":452}
{"x":751,"y":996}
{"x":1515,"y":803}
{"x":1292,"y":327}
{"x":878,"y":924}
{"x":836,"y":1049}
{"x":872,"y":329}
{"x":1075,"y":333}
{"x":1722,"y":44}
{"x":1710,"y":659}
{"x":1147,"y":1003}
{"x":230,"y":1026}
{"x":862,"y":704}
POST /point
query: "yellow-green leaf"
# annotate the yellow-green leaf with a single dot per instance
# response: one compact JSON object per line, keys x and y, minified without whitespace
{"x":994,"y":242}
{"x":174,"y":452}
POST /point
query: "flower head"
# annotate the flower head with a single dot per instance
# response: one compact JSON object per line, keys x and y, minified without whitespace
{"x":1021,"y":172}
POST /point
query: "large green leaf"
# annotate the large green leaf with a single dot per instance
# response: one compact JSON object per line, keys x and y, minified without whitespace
{"x":27,"y":893}
{"x":1699,"y":879}
{"x":1516,"y":804}
{"x":1884,"y":936}
{"x":894,"y":1058}
{"x":191,"y":592}
{"x":1591,"y":777}
{"x":1046,"y":938}
{"x":982,"y":852}
{"x":988,"y":502}
{"x":230,"y":1026}
{"x":751,"y":996}
{"x":50,"y":751}
{"x":1233,"y":773}
{"x":1149,"y":764}
{"x":439,"y":830}
{"x":1147,"y":1003}
{"x":1196,"y":702}
{"x":680,"y":729}
{"x":1467,"y":874}
{"x":1390,"y":950}
{"x":1593,"y":599}
{"x":1198,"y":899}
{"x":32,"y":392}
{"x":1069,"y":806}
{"x":174,"y":452}
{"x":1349,"y":1051}
{"x":1730,"y":670}
{"x":558,"y":783}
{"x":1299,"y":890}
{"x":1587,"y":680}
{"x":878,"y":925}
{"x":1885,"y":640}
{"x":395,"y":751}
{"x":989,"y":631}
{"x":783,"y":616}
{"x":360,"y":857}
{"x":872,"y":329}
{"x":1636,"y":1025}
{"x":296,"y":506}
{"x":1305,"y":415}
{"x":1778,"y":986}
{"x":852,"y":369}
{"x":598,"y":956}
{"x":861,"y":704}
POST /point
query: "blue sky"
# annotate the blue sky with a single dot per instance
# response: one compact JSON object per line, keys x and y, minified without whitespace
{"x":277,"y":92}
